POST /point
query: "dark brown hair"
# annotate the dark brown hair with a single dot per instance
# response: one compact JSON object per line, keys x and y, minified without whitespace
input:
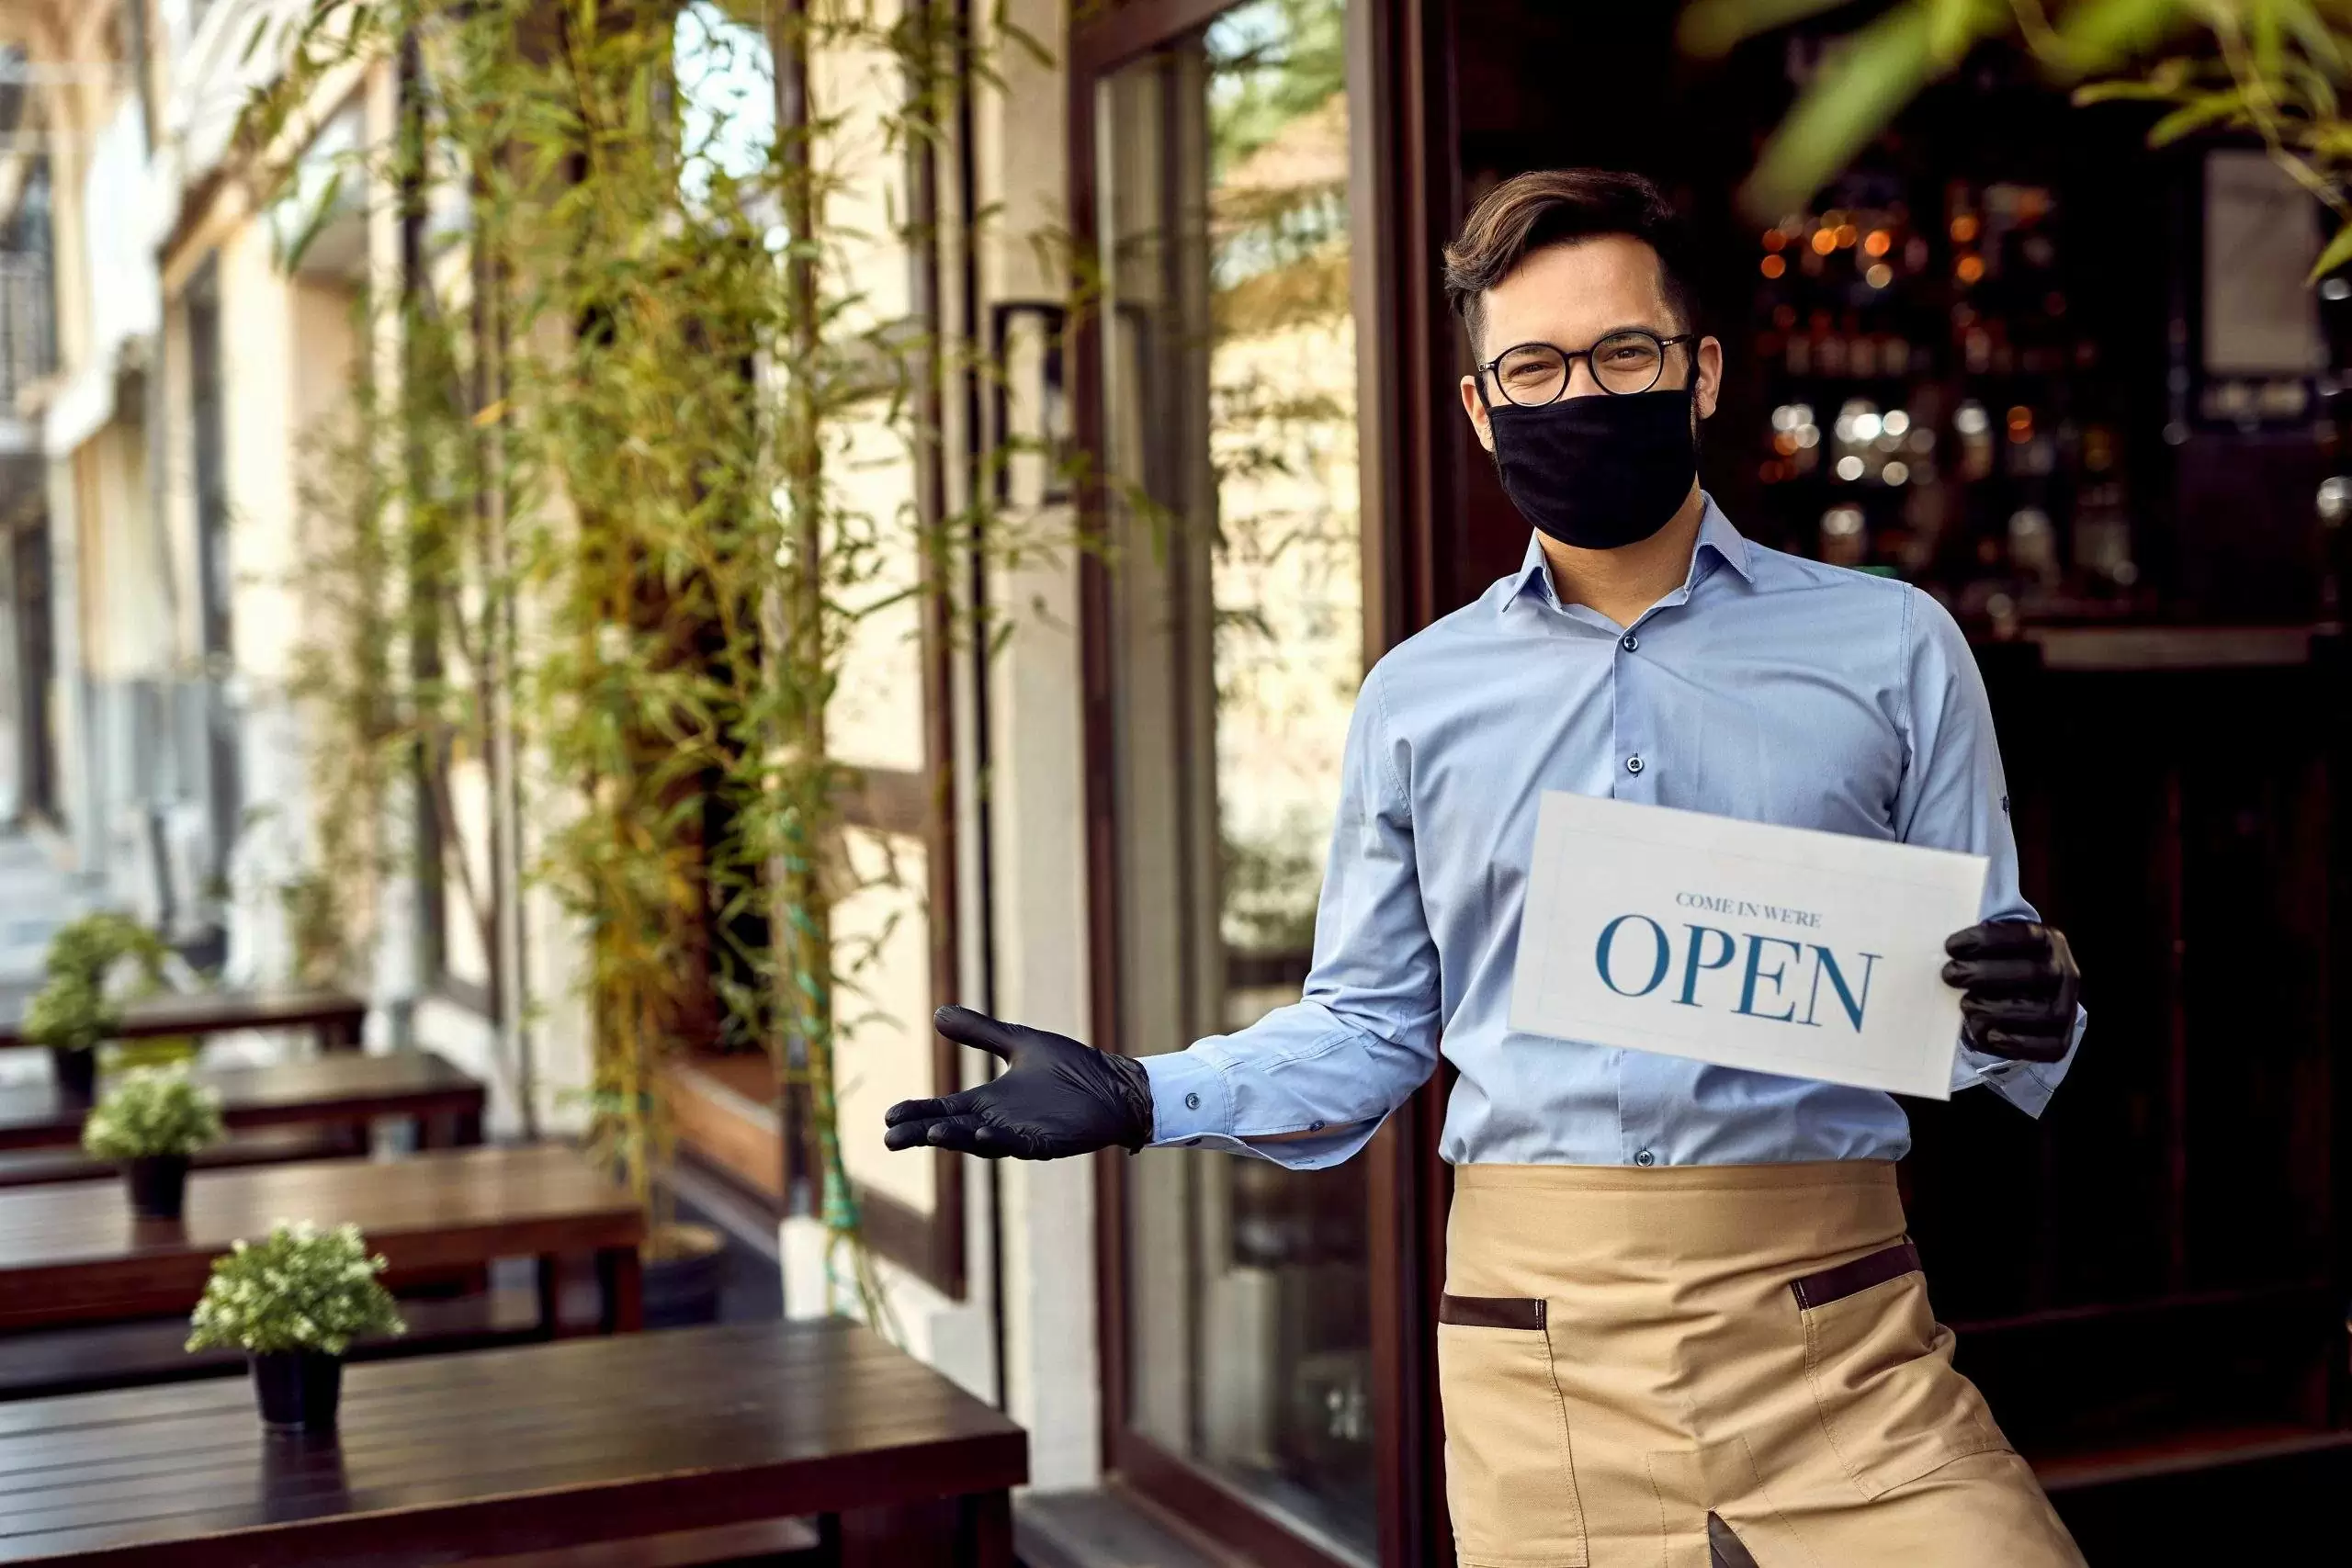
{"x":1549,"y":206}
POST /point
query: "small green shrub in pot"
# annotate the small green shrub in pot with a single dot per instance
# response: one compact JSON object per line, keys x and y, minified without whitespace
{"x":293,"y":1303}
{"x":72,"y":1014}
{"x":151,"y":1122}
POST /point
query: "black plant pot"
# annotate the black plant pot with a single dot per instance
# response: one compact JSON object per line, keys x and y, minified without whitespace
{"x":298,"y":1389}
{"x":158,"y":1185}
{"x":77,"y":1074}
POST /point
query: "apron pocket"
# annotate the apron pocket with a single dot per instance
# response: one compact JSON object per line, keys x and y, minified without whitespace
{"x":1881,"y":1369}
{"x":1510,"y":1482}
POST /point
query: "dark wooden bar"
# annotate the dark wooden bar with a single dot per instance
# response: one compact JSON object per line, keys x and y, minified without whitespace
{"x":533,"y":1450}
{"x":73,"y":1252}
{"x":337,"y":1016}
{"x":344,"y":1089}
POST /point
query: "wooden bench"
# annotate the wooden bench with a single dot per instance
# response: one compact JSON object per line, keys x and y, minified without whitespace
{"x":335,"y":1016}
{"x":72,"y":1252}
{"x":325,"y":1105}
{"x":540,"y":1449}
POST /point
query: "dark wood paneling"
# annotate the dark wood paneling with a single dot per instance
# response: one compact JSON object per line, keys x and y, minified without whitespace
{"x":2161,"y":1251}
{"x":1107,"y":35}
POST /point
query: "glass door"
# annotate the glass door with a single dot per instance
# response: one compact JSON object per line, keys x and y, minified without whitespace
{"x":1227,"y":433}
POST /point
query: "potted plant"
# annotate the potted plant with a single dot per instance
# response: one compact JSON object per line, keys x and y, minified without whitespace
{"x":152,"y":1122}
{"x":294,"y":1302}
{"x":72,"y":1014}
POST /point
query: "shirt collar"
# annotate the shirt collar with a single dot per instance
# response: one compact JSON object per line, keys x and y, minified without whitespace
{"x":1717,"y":536}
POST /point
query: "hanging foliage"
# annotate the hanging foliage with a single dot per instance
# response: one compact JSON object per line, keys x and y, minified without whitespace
{"x":611,"y":498}
{"x":2278,"y":69}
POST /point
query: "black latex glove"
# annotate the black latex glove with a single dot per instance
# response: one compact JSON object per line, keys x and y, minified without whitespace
{"x":2018,"y":987}
{"x":1056,"y":1098}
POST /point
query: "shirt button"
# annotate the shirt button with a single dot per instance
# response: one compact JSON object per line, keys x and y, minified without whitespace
{"x":1646,"y":1157}
{"x":1192,"y":1102}
{"x":1634,"y":763}
{"x":1630,"y":643}
{"x":1315,"y":1127}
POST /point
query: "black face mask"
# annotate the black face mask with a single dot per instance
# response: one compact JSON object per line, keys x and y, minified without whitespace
{"x":1601,"y":470}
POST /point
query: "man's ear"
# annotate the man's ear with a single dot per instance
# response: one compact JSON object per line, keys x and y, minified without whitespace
{"x":1711,"y":376}
{"x":1477,"y":410}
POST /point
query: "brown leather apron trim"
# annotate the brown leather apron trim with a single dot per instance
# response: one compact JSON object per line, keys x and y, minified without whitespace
{"x":1725,"y":1550}
{"x":1848,"y":1279}
{"x":1491,"y":1311}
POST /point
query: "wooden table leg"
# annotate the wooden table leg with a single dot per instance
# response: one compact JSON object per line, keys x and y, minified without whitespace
{"x":550,"y":1291}
{"x":984,"y":1530}
{"x":620,"y":1278}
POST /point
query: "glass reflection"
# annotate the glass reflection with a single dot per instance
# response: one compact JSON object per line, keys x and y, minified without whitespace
{"x":1230,"y":376}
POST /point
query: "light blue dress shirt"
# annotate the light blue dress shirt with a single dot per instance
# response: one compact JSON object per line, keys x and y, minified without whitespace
{"x":1767,"y":687}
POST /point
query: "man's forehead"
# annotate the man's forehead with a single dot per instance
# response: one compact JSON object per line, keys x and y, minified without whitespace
{"x":1610,"y":281}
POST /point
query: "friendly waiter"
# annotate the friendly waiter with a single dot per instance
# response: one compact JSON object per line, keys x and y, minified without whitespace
{"x":1682,"y":1322}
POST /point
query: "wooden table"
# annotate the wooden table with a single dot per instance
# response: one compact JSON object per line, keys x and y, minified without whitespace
{"x":344,"y":1091}
{"x":336,"y":1015}
{"x":72,"y":1252}
{"x":535,"y":1449}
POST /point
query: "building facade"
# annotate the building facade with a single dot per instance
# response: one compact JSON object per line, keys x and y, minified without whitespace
{"x":2076,"y":390}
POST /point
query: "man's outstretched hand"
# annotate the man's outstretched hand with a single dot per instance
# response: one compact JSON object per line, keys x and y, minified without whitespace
{"x":1055,"y":1097}
{"x":2018,"y":987}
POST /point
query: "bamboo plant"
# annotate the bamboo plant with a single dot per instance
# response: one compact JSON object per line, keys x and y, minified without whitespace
{"x":607,"y":497}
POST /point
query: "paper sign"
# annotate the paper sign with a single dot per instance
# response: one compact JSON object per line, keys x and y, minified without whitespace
{"x":1781,"y":950}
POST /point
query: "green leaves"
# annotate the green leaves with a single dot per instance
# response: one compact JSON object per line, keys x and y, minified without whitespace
{"x":647,"y":476}
{"x":2337,"y":254}
{"x":1858,"y":89}
{"x":153,"y":1111}
{"x":2272,"y":67}
{"x":298,"y":1288}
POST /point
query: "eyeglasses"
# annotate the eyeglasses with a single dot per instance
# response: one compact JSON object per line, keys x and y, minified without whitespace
{"x":1534,"y":374}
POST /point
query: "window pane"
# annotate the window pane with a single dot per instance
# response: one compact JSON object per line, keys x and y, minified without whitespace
{"x":1230,"y":403}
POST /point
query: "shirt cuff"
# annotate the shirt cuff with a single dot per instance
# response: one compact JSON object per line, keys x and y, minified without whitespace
{"x":1192,"y":1108}
{"x":2026,"y":1085}
{"x":1189,"y":1098}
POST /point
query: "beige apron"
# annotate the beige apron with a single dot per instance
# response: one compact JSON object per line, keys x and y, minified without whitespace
{"x":1630,"y":1357}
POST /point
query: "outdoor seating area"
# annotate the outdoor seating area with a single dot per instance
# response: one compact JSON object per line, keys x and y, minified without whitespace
{"x":423,"y":1406}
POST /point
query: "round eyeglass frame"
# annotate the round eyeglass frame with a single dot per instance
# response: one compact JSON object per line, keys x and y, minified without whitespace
{"x":1568,"y":357}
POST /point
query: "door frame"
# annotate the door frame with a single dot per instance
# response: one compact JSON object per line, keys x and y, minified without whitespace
{"x":1403,"y":176}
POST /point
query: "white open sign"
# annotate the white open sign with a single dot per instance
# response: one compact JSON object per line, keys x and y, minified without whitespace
{"x":1779,"y":950}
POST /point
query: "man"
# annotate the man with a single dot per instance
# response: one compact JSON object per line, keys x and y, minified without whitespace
{"x":1682,"y":1320}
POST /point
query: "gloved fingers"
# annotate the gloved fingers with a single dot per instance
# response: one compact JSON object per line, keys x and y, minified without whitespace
{"x":906,"y":1135}
{"x":2025,"y":1014}
{"x":2002,"y":976}
{"x":964,"y":1134}
{"x":2023,"y":1047}
{"x":930,"y":1109}
{"x":978,"y":1030}
{"x":1999,"y":939}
